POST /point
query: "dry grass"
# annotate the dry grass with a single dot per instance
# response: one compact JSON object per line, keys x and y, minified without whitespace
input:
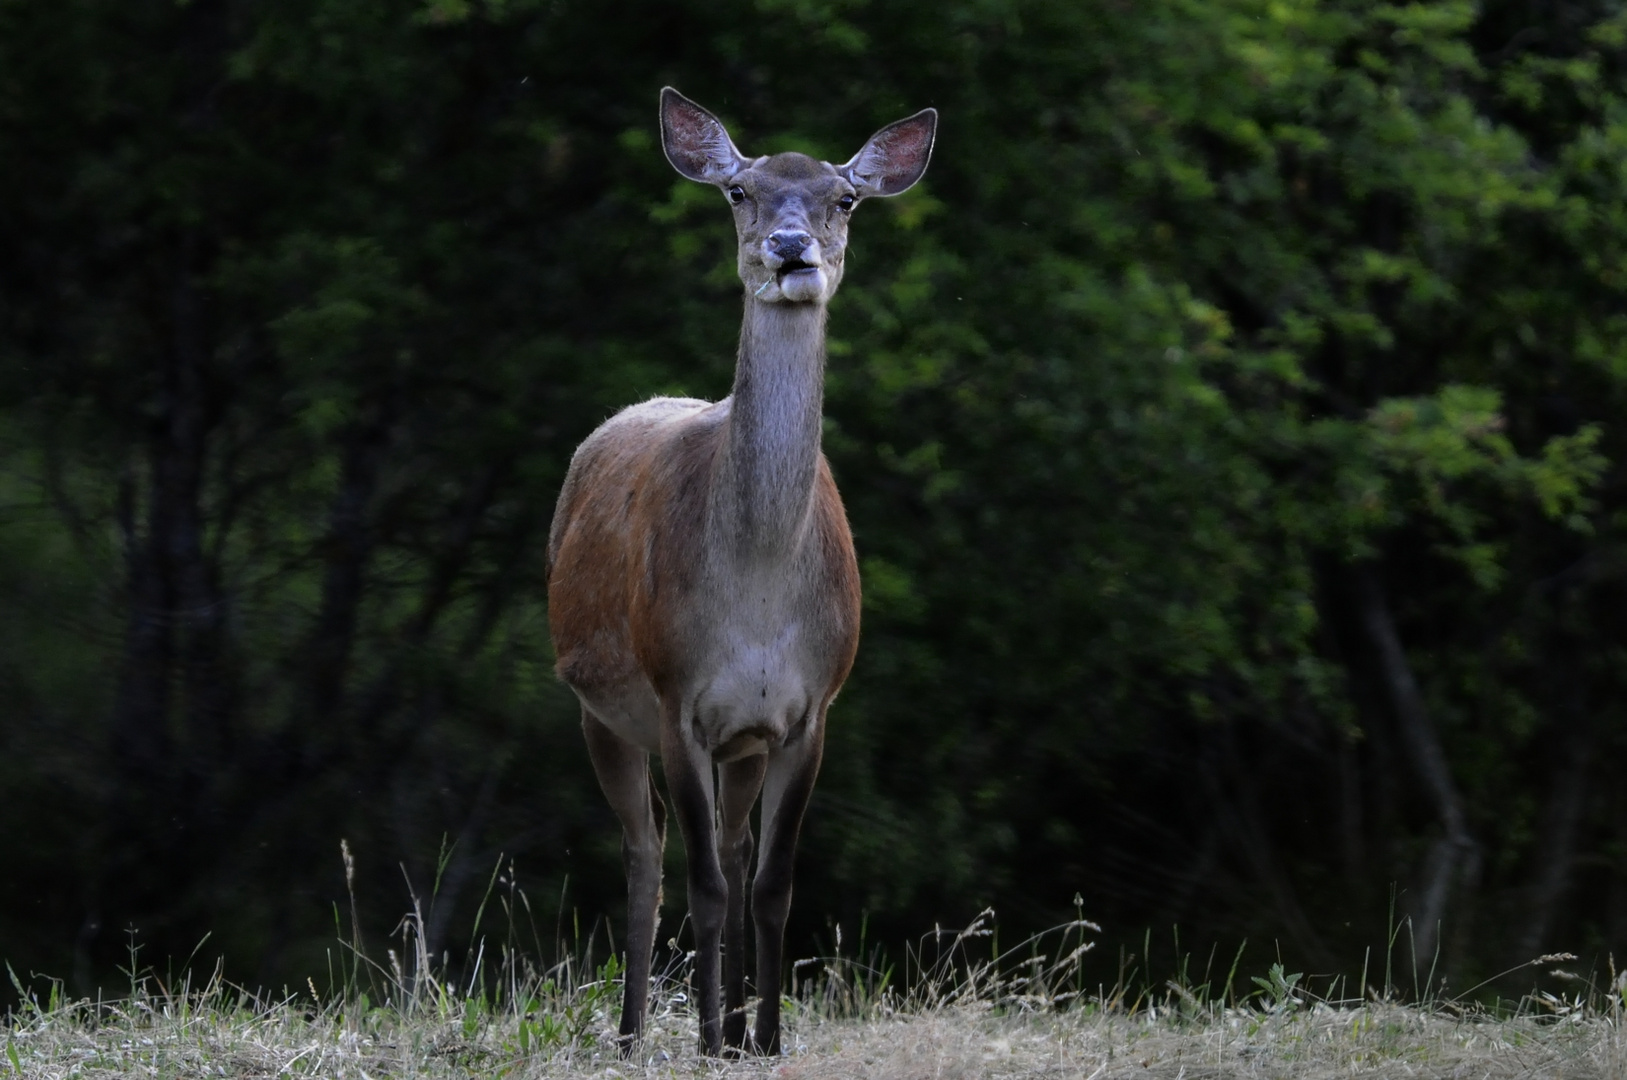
{"x":845,"y":1023}
{"x":1388,"y":1041}
{"x":219,"y":1038}
{"x":945,"y":1015}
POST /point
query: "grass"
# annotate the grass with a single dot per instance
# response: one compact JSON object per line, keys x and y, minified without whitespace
{"x":957,"y":1007}
{"x":218,"y":1031}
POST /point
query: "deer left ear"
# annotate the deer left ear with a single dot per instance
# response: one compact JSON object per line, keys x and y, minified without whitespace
{"x":895,"y":157}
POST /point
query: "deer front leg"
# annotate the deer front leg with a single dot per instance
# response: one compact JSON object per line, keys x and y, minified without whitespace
{"x":789,"y":784}
{"x":624,"y":776}
{"x":738,"y":785}
{"x":688,"y":768}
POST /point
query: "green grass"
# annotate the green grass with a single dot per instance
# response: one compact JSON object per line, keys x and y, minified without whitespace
{"x":956,"y":1006}
{"x":840,"y":1027}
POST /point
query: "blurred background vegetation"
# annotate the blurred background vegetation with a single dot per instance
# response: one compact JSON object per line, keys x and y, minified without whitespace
{"x":1229,"y":426}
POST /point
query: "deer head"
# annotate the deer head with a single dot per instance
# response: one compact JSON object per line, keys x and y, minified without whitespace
{"x":791,"y":211}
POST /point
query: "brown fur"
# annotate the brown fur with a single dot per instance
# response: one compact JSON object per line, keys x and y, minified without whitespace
{"x":626,"y":558}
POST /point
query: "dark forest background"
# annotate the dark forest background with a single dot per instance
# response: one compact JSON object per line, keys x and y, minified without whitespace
{"x":1230,"y":424}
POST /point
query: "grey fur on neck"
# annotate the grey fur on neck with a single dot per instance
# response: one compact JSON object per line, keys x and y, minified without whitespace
{"x":766,"y":474}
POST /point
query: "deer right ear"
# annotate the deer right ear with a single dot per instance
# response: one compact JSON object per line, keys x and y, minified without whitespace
{"x":695,"y":141}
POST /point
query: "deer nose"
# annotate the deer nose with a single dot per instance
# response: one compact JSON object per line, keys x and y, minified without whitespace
{"x":788,"y":243}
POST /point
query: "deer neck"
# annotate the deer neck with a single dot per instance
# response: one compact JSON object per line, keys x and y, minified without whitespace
{"x":771,"y":457}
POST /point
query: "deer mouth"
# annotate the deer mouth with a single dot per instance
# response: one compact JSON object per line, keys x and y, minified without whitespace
{"x":798,"y":281}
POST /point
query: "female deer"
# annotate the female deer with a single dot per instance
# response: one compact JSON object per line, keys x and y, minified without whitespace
{"x":702,"y":589}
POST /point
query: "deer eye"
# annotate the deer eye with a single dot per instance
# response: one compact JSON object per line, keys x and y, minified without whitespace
{"x":845,"y":203}
{"x":737,"y":194}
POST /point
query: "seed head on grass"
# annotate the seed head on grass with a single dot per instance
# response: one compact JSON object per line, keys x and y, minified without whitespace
{"x":959,"y":1007}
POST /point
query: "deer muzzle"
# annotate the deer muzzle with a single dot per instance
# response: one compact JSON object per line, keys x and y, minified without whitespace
{"x":795,"y":260}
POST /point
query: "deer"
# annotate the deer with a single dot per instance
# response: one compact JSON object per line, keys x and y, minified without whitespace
{"x":703,"y":591}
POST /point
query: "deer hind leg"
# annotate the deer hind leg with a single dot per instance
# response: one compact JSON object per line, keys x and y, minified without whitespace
{"x":624,"y":776}
{"x":738,"y":785}
{"x":688,"y":767}
{"x":786,"y":789}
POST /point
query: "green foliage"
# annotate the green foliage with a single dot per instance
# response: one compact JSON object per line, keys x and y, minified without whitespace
{"x":1277,"y":990}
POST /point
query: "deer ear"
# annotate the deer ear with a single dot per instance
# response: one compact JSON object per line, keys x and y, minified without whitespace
{"x":895,"y":157}
{"x":695,"y":141}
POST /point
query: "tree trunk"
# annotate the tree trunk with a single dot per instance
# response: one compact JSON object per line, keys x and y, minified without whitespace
{"x":1454,"y":859}
{"x":1561,"y":821}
